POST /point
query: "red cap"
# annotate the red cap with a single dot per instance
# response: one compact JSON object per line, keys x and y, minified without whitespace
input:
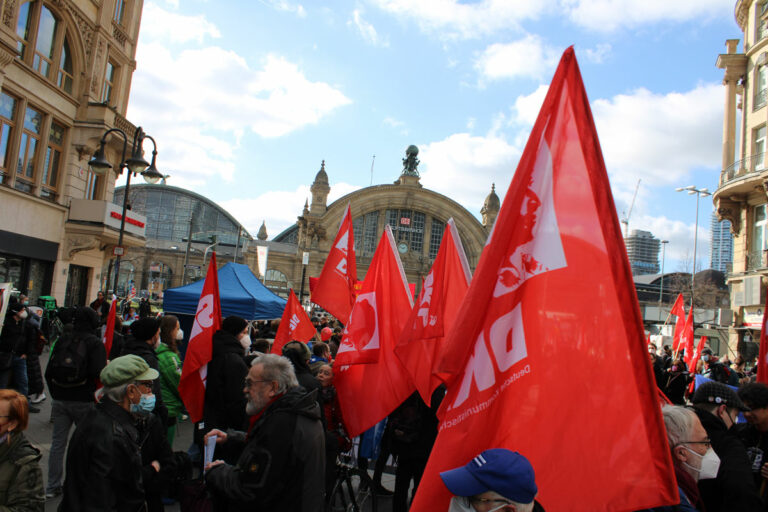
{"x":326,"y":333}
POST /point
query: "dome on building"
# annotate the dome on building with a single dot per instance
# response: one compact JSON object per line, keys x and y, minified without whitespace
{"x":262,"y":234}
{"x":321,"y":176}
{"x":492,"y":202}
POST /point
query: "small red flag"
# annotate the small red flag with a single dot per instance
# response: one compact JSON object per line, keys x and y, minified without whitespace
{"x":694,"y":361}
{"x":678,"y":310}
{"x":442,"y":292}
{"x":531,"y":333}
{"x":109,"y":332}
{"x":686,"y":339}
{"x":381,"y":308}
{"x":207,"y":321}
{"x":334,"y":290}
{"x":294,"y":325}
{"x":762,"y":359}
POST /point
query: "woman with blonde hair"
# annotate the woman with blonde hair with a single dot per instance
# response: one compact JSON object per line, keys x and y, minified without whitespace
{"x":21,"y":479}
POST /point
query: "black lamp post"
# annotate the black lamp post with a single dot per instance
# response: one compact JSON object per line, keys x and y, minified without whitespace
{"x":136,"y":164}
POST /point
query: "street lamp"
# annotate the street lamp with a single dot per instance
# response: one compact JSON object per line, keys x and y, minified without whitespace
{"x":699,"y":192}
{"x":661,"y":288}
{"x":136,"y":164}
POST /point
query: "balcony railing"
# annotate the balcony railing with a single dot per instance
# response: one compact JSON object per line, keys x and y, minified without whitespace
{"x":759,"y":99}
{"x":757,"y":259}
{"x":741,"y":168}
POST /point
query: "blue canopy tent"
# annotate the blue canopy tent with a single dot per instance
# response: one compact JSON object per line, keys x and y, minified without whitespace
{"x":240,"y":291}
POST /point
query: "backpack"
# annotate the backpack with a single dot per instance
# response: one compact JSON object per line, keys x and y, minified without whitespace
{"x":68,"y":366}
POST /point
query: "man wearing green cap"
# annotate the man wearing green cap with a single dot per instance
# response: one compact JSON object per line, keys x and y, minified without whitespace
{"x":103,"y":460}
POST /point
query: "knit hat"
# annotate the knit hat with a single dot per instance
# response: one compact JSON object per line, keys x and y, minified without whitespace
{"x":85,"y":319}
{"x":126,"y":369}
{"x":144,"y":329}
{"x":718,"y":393}
{"x":502,"y":471}
{"x":234,"y":325}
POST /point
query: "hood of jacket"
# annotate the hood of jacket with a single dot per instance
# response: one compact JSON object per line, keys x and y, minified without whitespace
{"x":140,"y":348}
{"x":297,"y":401}
{"x":226,"y":343}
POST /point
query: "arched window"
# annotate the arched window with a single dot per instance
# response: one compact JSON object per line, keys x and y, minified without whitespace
{"x":42,"y":43}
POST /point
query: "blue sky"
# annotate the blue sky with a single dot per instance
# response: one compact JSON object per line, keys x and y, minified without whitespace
{"x":247,"y":98}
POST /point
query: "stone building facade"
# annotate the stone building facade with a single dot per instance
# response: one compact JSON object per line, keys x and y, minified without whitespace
{"x":65,"y":78}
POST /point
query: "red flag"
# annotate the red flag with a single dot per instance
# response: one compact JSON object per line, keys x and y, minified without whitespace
{"x":109,"y":332}
{"x":694,"y":361}
{"x":381,"y":308}
{"x":530,"y":338}
{"x":762,"y":359}
{"x":678,"y":309}
{"x":368,"y":392}
{"x":294,"y":325}
{"x":207,"y":321}
{"x":441,"y":294}
{"x":334,"y":290}
{"x":686,"y":339}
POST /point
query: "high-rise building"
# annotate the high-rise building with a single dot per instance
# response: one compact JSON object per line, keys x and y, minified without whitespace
{"x":721,"y":244}
{"x":643,"y":252}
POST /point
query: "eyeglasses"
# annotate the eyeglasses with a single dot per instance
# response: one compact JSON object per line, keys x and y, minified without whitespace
{"x":248,"y":382}
{"x":496,"y":503}
{"x":144,"y":384}
{"x":707,"y":444}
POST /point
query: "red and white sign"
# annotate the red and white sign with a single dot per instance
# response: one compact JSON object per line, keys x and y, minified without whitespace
{"x":405,"y":221}
{"x":118,"y":251}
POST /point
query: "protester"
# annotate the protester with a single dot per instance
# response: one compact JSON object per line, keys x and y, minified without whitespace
{"x":21,"y":479}
{"x":739,"y":367}
{"x":321,"y":355}
{"x":298,"y":353}
{"x":145,"y":310}
{"x":336,"y":438}
{"x":715,"y":370}
{"x":145,"y":338}
{"x":157,"y":460}
{"x":118,"y":339}
{"x":35,"y":343}
{"x":72,"y":386}
{"x":676,"y":381}
{"x":717,"y":407}
{"x":13,"y":351}
{"x":282,"y":457}
{"x":261,"y":345}
{"x":754,"y":433}
{"x":101,"y":306}
{"x":496,"y":480}
{"x":224,"y":401}
{"x":169,"y":365}
{"x":104,"y":467}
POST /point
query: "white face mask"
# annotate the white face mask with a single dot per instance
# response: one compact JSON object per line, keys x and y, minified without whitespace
{"x":245,"y":342}
{"x":179,"y":334}
{"x":709,"y":465}
{"x":459,"y":505}
{"x":23,"y":314}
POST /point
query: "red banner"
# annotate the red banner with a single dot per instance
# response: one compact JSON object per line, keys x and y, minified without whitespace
{"x":207,"y":321}
{"x":548,"y":346}
{"x":109,"y":332}
{"x":678,"y":310}
{"x":762,"y":359}
{"x":294,"y":325}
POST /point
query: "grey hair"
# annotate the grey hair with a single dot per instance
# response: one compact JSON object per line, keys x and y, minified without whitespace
{"x":522,"y":507}
{"x":278,"y":368}
{"x":679,"y":423}
{"x":117,"y":393}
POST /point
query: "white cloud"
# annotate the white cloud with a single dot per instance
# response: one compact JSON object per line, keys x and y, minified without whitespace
{"x":463,"y":167}
{"x":529,"y":57}
{"x":454,"y":19}
{"x":159,"y":24}
{"x":278,"y":208}
{"x":283,"y":5}
{"x":598,"y":53}
{"x":679,"y":250}
{"x":609,"y":15}
{"x":180,"y":100}
{"x":526,"y":108}
{"x":394,"y":123}
{"x":366,"y":30}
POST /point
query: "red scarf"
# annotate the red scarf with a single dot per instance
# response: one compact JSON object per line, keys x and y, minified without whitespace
{"x":256,"y":417}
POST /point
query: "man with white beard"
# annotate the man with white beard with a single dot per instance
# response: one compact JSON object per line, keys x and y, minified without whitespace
{"x":282,"y":456}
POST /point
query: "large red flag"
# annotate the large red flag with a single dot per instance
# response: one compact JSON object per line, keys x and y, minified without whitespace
{"x":694,"y":361}
{"x":538,"y":371}
{"x":678,"y":310}
{"x":294,"y":325}
{"x":334,"y":290}
{"x":368,"y":392}
{"x":686,"y":339}
{"x":762,"y":359}
{"x":422,"y":340}
{"x":109,"y":332}
{"x":381,"y":308}
{"x":207,"y":321}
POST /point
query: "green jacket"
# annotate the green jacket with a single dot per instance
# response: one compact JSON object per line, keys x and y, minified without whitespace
{"x":170,"y":374}
{"x":21,"y":479}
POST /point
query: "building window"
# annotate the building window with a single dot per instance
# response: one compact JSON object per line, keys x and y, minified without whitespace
{"x":52,"y":161}
{"x":109,"y":83}
{"x":761,"y":85}
{"x":435,"y":237}
{"x":119,"y":11}
{"x":51,"y":57}
{"x":759,"y":238}
{"x":7,"y":115}
{"x":30,"y":137}
{"x":758,"y":151}
{"x":365,"y":229}
{"x":761,"y":25}
{"x":91,"y":186}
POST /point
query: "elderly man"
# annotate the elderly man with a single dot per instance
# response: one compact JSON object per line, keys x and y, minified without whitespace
{"x":103,"y":461}
{"x":495,"y":480}
{"x":282,"y":457}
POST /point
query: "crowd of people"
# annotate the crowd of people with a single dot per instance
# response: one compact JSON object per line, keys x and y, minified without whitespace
{"x":278,"y":429}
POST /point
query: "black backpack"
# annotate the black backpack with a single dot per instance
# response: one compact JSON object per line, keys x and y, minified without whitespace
{"x":68,"y":366}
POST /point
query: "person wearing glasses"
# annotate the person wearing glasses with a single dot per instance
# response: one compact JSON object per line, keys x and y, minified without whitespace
{"x":732,"y":486}
{"x":104,"y":466}
{"x":496,"y":480}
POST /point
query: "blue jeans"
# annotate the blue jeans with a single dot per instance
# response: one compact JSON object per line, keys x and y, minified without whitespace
{"x":18,"y":373}
{"x":64,"y":413}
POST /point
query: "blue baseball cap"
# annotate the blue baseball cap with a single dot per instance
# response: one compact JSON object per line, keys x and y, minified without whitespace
{"x":500,"y":470}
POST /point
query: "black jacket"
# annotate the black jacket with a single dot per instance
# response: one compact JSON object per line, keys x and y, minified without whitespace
{"x":757,"y":442}
{"x":282,"y":460}
{"x":224,"y":399}
{"x":12,"y":337}
{"x":734,"y":488}
{"x":153,"y":443}
{"x":104,"y":463}
{"x":97,"y":359}
{"x":147,"y":353}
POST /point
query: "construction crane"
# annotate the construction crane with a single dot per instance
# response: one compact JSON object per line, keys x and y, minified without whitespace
{"x":625,"y":219}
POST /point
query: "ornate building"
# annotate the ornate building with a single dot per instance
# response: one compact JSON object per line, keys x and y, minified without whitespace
{"x":741,"y":194}
{"x":65,"y":77}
